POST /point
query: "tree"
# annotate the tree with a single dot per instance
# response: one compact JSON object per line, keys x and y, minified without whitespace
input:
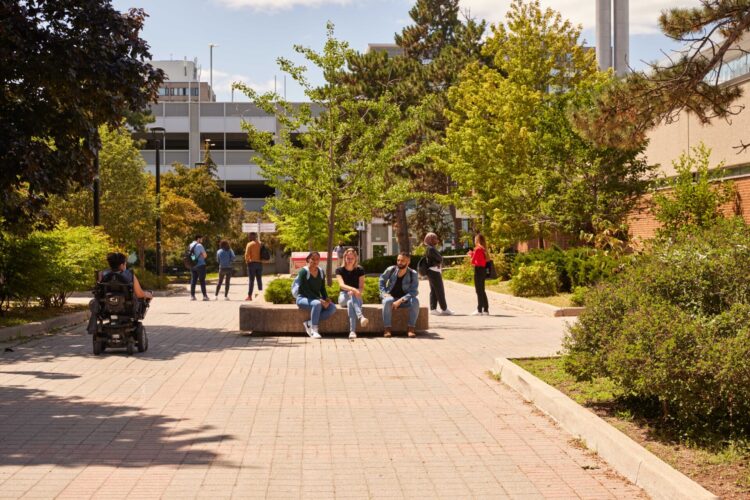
{"x":199,"y":185}
{"x":127,"y":205}
{"x":337,"y":171}
{"x":436,"y":48}
{"x":508,"y":131}
{"x":693,"y":199}
{"x":69,"y":66}
{"x":688,"y":81}
{"x":179,"y":218}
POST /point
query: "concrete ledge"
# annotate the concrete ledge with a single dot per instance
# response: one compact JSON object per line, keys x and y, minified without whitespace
{"x":288,"y":318}
{"x":41,"y":327}
{"x":626,"y":456}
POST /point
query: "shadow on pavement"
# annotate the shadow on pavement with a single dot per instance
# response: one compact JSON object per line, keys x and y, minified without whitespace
{"x":165,"y":342}
{"x":40,"y":428}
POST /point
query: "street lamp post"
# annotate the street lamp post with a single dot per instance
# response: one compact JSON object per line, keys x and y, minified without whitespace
{"x":157,"y":140}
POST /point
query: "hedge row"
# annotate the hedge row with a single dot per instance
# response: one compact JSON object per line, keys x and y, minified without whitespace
{"x":279,"y":291}
{"x":46,"y":266}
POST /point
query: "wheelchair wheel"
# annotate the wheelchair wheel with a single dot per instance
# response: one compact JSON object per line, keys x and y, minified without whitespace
{"x":99,"y":346}
{"x":130,"y":346}
{"x":141,"y":338}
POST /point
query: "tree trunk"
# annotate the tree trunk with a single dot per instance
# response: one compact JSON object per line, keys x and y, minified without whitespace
{"x":329,"y":249}
{"x":402,"y":229}
{"x":456,"y":226}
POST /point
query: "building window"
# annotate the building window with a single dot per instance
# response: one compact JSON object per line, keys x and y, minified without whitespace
{"x":194,"y":92}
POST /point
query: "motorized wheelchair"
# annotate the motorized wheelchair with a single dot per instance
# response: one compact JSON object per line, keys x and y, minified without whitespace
{"x":119,"y":315}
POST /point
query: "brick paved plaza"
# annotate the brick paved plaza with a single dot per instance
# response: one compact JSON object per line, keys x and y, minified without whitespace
{"x":210,"y":413}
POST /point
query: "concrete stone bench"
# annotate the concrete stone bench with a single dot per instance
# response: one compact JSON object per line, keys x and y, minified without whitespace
{"x":288,"y":318}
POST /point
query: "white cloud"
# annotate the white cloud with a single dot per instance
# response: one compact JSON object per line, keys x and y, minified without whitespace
{"x":643,"y":13}
{"x":277,"y":5}
{"x":223,"y":84}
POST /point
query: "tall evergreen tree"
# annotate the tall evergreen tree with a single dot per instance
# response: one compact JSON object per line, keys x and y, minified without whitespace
{"x":436,"y":48}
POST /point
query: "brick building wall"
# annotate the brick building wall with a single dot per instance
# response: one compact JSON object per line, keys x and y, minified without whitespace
{"x":643,"y":224}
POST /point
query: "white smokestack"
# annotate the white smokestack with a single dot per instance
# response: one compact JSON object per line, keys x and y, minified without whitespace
{"x":622,"y":37}
{"x":604,"y":33}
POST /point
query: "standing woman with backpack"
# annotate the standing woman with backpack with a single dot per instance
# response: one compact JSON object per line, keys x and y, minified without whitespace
{"x":309,"y":289}
{"x":479,"y":261}
{"x":225,"y":257}
{"x":434,"y":264}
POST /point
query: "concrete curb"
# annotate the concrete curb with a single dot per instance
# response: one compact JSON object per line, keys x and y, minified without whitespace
{"x":528,"y":304}
{"x":41,"y":327}
{"x":626,"y":456}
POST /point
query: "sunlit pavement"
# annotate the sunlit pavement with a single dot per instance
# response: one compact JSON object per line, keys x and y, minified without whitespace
{"x":210,"y":412}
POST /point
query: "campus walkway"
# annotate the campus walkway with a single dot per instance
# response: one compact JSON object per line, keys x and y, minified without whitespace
{"x":210,"y":413}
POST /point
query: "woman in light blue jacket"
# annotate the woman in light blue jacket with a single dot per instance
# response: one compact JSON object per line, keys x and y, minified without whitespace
{"x":225,"y":257}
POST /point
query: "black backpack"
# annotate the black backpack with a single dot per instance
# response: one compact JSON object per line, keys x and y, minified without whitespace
{"x":189,"y":258}
{"x":265,"y":254}
{"x":423,"y":266}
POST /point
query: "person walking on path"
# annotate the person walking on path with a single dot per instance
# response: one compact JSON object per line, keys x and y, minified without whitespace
{"x":338,"y":250}
{"x":435,"y":276}
{"x":225,"y":257}
{"x":198,"y":271}
{"x":312,"y":295}
{"x":479,"y":261}
{"x":254,"y":265}
{"x":351,"y":278}
{"x":399,"y":287}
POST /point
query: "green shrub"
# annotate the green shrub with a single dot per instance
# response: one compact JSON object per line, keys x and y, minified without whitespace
{"x":674,"y":327}
{"x":279,"y":291}
{"x":379,"y":264}
{"x":535,"y":280}
{"x":48,"y":265}
{"x":575,"y":267}
{"x":462,"y":273}
{"x":149,"y":280}
{"x":579,"y":296}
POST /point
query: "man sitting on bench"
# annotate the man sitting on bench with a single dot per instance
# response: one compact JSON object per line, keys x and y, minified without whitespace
{"x":399,"y":287}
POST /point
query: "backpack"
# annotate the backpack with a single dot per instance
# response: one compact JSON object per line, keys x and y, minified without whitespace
{"x":296,"y":283}
{"x":189,"y":258}
{"x":265,"y":254}
{"x":423,"y":266}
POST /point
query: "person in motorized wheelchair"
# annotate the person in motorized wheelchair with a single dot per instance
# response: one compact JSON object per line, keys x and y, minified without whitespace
{"x":118,"y":306}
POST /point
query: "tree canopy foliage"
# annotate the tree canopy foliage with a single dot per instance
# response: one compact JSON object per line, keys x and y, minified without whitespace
{"x":331,"y":162}
{"x":69,"y":66}
{"x":510,"y":146}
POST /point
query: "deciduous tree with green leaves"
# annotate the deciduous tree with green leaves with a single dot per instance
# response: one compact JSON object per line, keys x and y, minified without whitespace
{"x":127,"y":208}
{"x":510,"y":146}
{"x":331,"y":161}
{"x":69,"y":66}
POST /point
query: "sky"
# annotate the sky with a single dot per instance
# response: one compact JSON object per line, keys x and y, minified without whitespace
{"x":251,"y":34}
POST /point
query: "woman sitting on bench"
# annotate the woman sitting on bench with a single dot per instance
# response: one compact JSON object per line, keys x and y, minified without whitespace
{"x":312,"y":295}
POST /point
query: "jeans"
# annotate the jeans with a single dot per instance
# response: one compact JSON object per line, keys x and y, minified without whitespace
{"x":480,"y":274}
{"x":224,"y":272}
{"x":354,"y":308}
{"x":437,"y":290}
{"x":254,"y":272}
{"x":317,"y":313}
{"x":412,"y":304}
{"x":198,"y":273}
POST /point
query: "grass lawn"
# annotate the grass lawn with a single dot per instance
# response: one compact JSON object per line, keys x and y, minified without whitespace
{"x":559,"y":300}
{"x":20,"y":316}
{"x":722,"y":466}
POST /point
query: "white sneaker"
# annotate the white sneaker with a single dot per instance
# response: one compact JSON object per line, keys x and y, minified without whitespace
{"x":363,"y":321}
{"x":315,"y":334}
{"x":308,"y":330}
{"x":435,"y":312}
{"x":352,"y":335}
{"x":477,"y":313}
{"x":486,"y":313}
{"x":446,"y":312}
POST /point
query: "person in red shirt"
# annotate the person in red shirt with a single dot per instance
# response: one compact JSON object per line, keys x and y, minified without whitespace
{"x":479,"y":261}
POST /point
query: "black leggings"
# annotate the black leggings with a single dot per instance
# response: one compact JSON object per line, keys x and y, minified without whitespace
{"x":224,"y":273}
{"x":437,"y":290}
{"x":480,"y":274}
